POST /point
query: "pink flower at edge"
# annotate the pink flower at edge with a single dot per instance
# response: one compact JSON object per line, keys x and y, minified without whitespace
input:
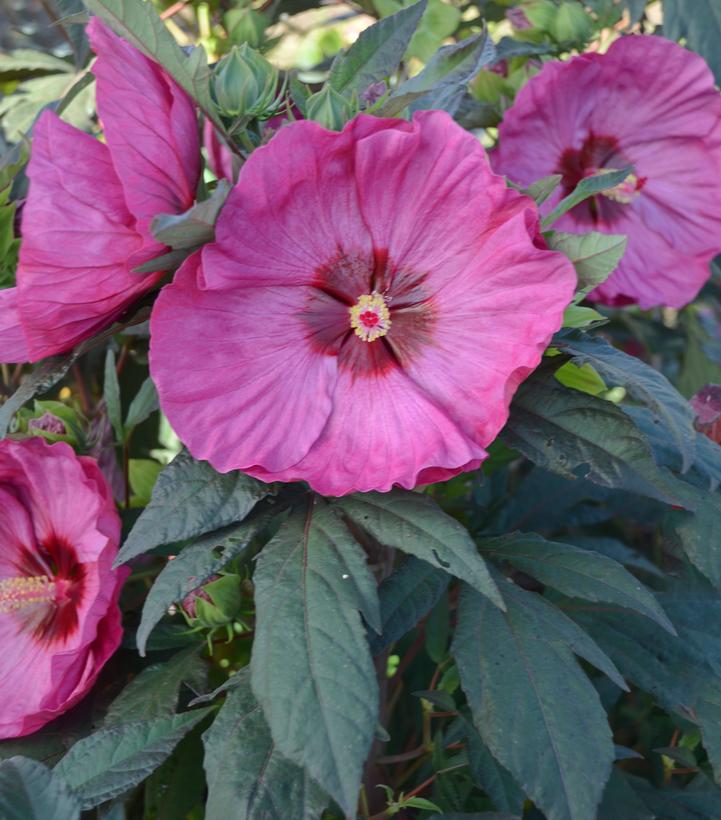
{"x":59,"y":614}
{"x":649,"y":103}
{"x":86,"y":221}
{"x":371,"y":302}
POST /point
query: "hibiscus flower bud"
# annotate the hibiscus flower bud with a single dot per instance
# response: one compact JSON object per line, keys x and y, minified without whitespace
{"x":329,"y":108}
{"x":59,"y":614}
{"x":245,"y":83}
{"x":707,"y":406}
{"x":48,"y":423}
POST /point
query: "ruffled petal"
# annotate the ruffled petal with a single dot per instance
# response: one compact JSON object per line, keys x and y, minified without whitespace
{"x":238,"y":376}
{"x":77,"y":237}
{"x":383,"y":431}
{"x":491,"y":324}
{"x":13,"y":344}
{"x":150,"y":126}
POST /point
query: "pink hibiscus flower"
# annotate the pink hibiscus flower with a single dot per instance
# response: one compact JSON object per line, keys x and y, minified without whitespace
{"x":86,"y":222}
{"x":648,"y":103}
{"x":59,"y":614}
{"x":371,"y":302}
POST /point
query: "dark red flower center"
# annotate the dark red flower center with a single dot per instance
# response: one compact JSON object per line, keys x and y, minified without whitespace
{"x":598,"y":153}
{"x":368,"y":312}
{"x":45,"y":593}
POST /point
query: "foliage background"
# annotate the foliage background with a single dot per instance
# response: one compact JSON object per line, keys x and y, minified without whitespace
{"x":592,"y":691}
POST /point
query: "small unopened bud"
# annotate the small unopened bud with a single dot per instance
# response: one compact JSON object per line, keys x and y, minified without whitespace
{"x":246,"y":26}
{"x":329,"y":108}
{"x":48,"y":423}
{"x":572,"y":24}
{"x":373,"y":92}
{"x":245,"y":83}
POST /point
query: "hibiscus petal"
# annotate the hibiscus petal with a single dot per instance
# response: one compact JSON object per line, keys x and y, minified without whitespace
{"x":77,"y":235}
{"x":295,"y":204}
{"x":13,"y":344}
{"x":150,"y":125}
{"x":382,"y":431}
{"x":237,"y":376}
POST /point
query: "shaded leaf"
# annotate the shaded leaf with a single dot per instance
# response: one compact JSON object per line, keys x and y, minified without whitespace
{"x":144,"y":403}
{"x":594,"y":255}
{"x":189,"y":499}
{"x":414,"y":523}
{"x":111,"y":761}
{"x":245,"y":770}
{"x":699,"y":23}
{"x":31,"y":791}
{"x":311,"y":666}
{"x":194,"y":227}
{"x":587,"y":187}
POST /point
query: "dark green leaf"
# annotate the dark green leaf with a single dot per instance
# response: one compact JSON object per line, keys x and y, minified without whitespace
{"x":620,"y":801}
{"x":245,"y":770}
{"x":311,"y":667}
{"x":588,"y":187}
{"x":377,"y":51}
{"x":191,"y":567}
{"x":699,"y":23}
{"x":576,"y":572}
{"x":406,"y":597}
{"x":527,"y":694}
{"x":189,"y":499}
{"x":414,"y":523}
{"x":31,"y":791}
{"x":71,"y":10}
{"x":154,"y":692}
{"x":111,"y":394}
{"x":450,"y":67}
{"x":111,"y":761}
{"x":645,"y":384}
{"x":144,"y":403}
{"x":167,"y":261}
{"x":580,"y":436}
{"x":699,"y":533}
{"x":489,"y":775}
{"x":194,"y":227}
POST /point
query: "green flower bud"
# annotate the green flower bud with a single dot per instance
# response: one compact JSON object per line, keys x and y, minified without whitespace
{"x":541,"y":14}
{"x":245,"y":83}
{"x":329,"y":108}
{"x":246,"y":26}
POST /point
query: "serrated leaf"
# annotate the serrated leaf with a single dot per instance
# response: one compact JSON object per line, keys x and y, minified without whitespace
{"x":450,"y":67}
{"x":580,"y":436}
{"x":111,"y":395}
{"x":144,"y":403}
{"x":699,"y":533}
{"x":377,"y":51}
{"x":192,"y":566}
{"x":594,"y":255}
{"x":194,"y":227}
{"x":154,"y":692}
{"x":644,"y":383}
{"x":414,"y":523}
{"x":25,"y":62}
{"x":312,"y":670}
{"x":137,"y":22}
{"x":576,"y":572}
{"x":405,"y":597}
{"x":31,"y":791}
{"x":189,"y":499}
{"x":245,"y":770}
{"x":111,"y":761}
{"x":588,"y":187}
{"x":489,"y":775}
{"x":527,"y":693}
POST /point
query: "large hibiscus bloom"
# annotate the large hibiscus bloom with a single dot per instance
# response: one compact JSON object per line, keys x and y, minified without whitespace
{"x":371,"y":302}
{"x":86,"y":221}
{"x":59,"y":615}
{"x":649,"y":103}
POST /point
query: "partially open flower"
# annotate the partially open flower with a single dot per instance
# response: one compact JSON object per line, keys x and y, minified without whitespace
{"x":86,"y":221}
{"x":59,"y":614}
{"x":371,"y":302}
{"x":646,"y":103}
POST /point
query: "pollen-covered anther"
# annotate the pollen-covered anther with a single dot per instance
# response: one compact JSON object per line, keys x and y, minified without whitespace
{"x":626,"y":191}
{"x":370,"y":317}
{"x":23,"y":591}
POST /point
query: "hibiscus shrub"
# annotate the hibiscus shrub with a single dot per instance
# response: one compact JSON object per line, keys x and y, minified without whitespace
{"x":360,"y":409}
